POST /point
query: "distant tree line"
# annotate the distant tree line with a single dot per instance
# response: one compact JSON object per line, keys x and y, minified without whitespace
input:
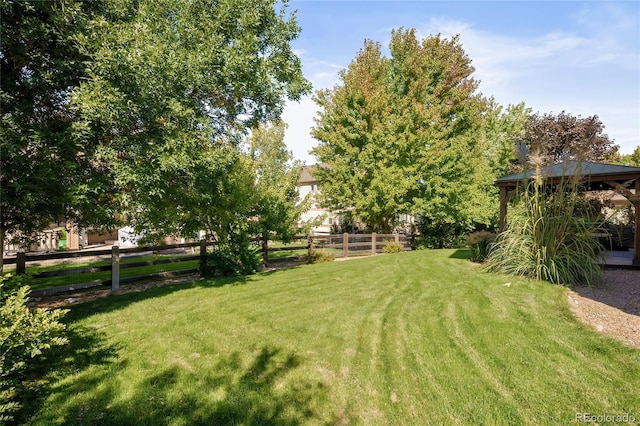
{"x":166,"y":114}
{"x":411,"y":134}
{"x":142,"y":112}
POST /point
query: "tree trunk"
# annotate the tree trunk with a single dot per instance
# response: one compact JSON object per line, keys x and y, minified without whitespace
{"x":265,"y":249}
{"x":2,"y":233}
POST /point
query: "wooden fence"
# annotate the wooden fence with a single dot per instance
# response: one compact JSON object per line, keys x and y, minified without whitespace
{"x":21,"y":260}
{"x":348,"y":244}
{"x":360,"y":244}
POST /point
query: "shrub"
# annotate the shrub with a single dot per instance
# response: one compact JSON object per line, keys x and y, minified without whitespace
{"x":10,"y":284}
{"x":320,"y":256}
{"x":480,"y":243}
{"x":392,"y":248}
{"x":548,"y":237}
{"x":435,"y":234}
{"x":229,"y":260}
{"x":24,"y":335}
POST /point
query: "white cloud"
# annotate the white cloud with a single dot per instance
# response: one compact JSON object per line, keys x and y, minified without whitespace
{"x":299,"y":52}
{"x":593,"y":68}
{"x":299,"y":118}
{"x":584,"y":75}
{"x":322,"y":74}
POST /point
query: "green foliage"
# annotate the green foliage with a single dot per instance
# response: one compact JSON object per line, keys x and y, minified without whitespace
{"x":392,"y":247}
{"x":10,"y":283}
{"x":549,"y":237}
{"x":47,"y":175}
{"x":436,"y":234}
{"x":235,"y":257}
{"x":173,"y":87}
{"x":632,"y":159}
{"x":137,"y":108}
{"x":502,"y":130}
{"x":320,"y":256}
{"x":480,"y":243}
{"x":277,"y":207}
{"x":402,"y":135}
{"x":24,"y":335}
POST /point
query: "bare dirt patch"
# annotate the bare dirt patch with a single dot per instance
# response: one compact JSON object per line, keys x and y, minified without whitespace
{"x":614,"y":308}
{"x":68,"y":299}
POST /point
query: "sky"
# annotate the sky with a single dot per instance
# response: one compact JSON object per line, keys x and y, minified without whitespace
{"x":582,"y":57}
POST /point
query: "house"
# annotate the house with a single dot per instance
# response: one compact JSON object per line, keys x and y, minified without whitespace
{"x":57,"y":236}
{"x":308,"y":186}
{"x":335,"y":221}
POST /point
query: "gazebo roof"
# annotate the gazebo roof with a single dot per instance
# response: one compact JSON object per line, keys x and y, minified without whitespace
{"x":594,"y":172}
{"x":624,"y":180}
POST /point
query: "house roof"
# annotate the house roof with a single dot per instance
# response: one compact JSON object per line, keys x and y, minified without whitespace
{"x":305,"y":176}
{"x":589,"y":170}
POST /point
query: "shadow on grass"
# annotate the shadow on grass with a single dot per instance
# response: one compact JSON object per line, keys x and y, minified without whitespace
{"x":115,"y":302}
{"x":233,"y":392}
{"x":461,"y":254}
{"x":86,"y":348}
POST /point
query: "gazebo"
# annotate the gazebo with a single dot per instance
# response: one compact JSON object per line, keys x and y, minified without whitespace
{"x":623,"y":180}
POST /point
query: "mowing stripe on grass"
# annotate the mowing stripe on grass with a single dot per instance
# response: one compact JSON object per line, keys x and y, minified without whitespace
{"x":403,"y":339}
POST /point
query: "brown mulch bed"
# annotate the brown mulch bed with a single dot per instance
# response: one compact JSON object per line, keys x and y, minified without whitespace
{"x":614,"y":308}
{"x":68,"y":299}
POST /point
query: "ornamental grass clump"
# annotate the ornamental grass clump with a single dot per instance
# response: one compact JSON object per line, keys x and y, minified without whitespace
{"x":320,"y":256}
{"x":480,"y":243}
{"x":549,"y":236}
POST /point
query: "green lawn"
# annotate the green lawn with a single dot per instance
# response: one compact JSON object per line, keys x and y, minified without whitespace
{"x":405,"y":339}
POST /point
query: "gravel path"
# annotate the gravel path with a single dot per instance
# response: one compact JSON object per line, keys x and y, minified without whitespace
{"x":613,"y":309}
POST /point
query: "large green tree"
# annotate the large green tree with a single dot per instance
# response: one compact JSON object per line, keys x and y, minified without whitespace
{"x":45,"y":175}
{"x":277,"y":207}
{"x":401,"y":135}
{"x":172,"y":87}
{"x":137,"y":108}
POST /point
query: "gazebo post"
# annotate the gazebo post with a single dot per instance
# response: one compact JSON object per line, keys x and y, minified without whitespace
{"x":636,"y":229}
{"x":503,"y":208}
{"x":599,"y":177}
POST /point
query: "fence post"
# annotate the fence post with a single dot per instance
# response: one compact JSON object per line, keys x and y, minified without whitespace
{"x":345,"y":244}
{"x":396,"y":236}
{"x":115,"y":268}
{"x":203,"y":254}
{"x":264,"y":241}
{"x":374,"y":244}
{"x":21,"y":262}
{"x":310,"y":246}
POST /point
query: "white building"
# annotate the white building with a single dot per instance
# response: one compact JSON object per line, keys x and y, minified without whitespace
{"x":332,"y":221}
{"x":308,"y":185}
